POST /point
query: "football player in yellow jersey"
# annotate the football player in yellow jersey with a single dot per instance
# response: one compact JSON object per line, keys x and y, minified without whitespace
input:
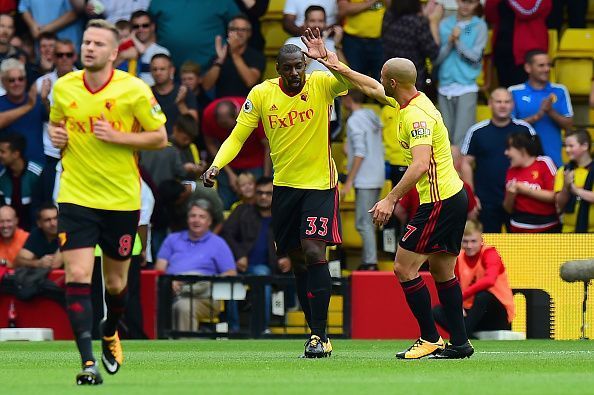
{"x":96,"y":120}
{"x":295,"y":110}
{"x":435,"y":232}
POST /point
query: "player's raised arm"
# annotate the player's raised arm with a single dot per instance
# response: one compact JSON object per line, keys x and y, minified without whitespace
{"x":317,"y":50}
{"x":227,"y":152}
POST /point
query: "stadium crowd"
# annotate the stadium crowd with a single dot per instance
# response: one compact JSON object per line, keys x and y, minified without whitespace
{"x":201,"y":60}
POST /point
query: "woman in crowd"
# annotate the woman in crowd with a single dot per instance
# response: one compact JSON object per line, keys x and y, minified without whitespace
{"x":195,"y":251}
{"x":529,"y":195}
{"x":573,"y":184}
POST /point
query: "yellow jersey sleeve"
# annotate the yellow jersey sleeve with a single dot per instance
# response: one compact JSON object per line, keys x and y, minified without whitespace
{"x":251,"y":111}
{"x":56,"y":111}
{"x":559,"y":179}
{"x":418,"y":128}
{"x":332,"y":85}
{"x":146,"y":108}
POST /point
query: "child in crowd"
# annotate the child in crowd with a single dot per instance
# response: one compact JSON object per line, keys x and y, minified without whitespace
{"x":185,"y":132}
{"x":129,"y":48}
{"x":574,"y":182}
{"x":246,"y":189}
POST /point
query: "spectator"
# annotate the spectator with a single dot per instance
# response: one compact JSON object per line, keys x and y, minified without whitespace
{"x":315,"y":17}
{"x":577,"y":11}
{"x":127,"y":51}
{"x":486,"y":292}
{"x":162,"y":165}
{"x":45,"y":60}
{"x":185,"y":132}
{"x":248,"y":232}
{"x":192,"y":79}
{"x":543,"y":104}
{"x":392,"y":149}
{"x":12,"y":238}
{"x":115,"y":10}
{"x":182,"y":25}
{"x":574,"y":184}
{"x":365,"y":154}
{"x":172,"y":97}
{"x":246,"y":189}
{"x":7,"y":50}
{"x":236,"y":67}
{"x":21,"y":113}
{"x":143,"y":28}
{"x":363,"y":30}
{"x":519,"y":26}
{"x":529,"y":196}
{"x":408,"y":34}
{"x":56,"y":16}
{"x":200,"y":252}
{"x":19,"y":180}
{"x":41,"y":248}
{"x":294,"y":14}
{"x":65,"y":57}
{"x":463,"y":37}
{"x":219,"y":120}
{"x":484,"y":149}
{"x":254,"y":9}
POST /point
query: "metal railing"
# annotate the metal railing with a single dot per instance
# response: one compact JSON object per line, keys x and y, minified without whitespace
{"x":247,"y":291}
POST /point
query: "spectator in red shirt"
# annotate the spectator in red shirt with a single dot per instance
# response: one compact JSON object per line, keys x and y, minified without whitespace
{"x":217,"y":122}
{"x":529,"y":186}
{"x":486,"y":293}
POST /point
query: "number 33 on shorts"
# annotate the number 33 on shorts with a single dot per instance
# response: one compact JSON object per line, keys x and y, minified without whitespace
{"x":321,"y":228}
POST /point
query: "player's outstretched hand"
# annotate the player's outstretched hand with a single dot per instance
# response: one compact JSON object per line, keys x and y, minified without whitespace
{"x":316,"y":49}
{"x":208,"y":178}
{"x":382,"y":211}
{"x":58,"y":134}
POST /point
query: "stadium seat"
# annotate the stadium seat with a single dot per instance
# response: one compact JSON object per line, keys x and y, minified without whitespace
{"x":590,"y":15}
{"x":339,"y":156}
{"x":275,"y":10}
{"x":270,"y":70}
{"x":573,"y":60}
{"x":575,"y":74}
{"x":483,"y":112}
{"x":274,"y":35}
{"x":485,"y":77}
{"x":350,"y":236}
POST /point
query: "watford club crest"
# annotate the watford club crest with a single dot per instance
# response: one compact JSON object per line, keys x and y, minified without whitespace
{"x":109,"y":104}
{"x":304,"y":96}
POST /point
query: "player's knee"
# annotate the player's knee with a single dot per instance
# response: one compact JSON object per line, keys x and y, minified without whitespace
{"x":78,"y":274}
{"x":404,"y":272}
{"x":114,"y":284}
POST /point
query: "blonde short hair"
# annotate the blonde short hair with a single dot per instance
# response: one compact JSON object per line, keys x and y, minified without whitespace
{"x":103,"y":24}
{"x":472,"y":226}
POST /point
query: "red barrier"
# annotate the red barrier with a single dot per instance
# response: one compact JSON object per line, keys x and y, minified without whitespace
{"x":379,"y":308}
{"x":45,"y":313}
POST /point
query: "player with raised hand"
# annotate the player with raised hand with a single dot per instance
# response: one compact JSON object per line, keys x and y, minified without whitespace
{"x":295,"y":110}
{"x":99,"y":118}
{"x":435,"y":232}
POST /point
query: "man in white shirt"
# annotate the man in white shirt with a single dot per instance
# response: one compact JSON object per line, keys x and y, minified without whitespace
{"x":294,"y":14}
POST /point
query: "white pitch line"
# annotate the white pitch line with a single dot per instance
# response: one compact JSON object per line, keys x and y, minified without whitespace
{"x":537,"y":352}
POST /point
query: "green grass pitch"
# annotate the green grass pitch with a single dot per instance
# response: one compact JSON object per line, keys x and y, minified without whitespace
{"x":272,"y":367}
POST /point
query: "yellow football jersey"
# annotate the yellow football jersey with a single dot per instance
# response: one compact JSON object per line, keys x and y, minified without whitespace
{"x":98,"y":174}
{"x":419,"y":123}
{"x":570,"y":219}
{"x":297,"y":129}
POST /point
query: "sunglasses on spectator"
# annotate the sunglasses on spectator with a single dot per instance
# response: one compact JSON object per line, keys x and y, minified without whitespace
{"x":64,"y":54}
{"x":15,"y":79}
{"x":262,"y":193}
{"x":142,"y":25}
